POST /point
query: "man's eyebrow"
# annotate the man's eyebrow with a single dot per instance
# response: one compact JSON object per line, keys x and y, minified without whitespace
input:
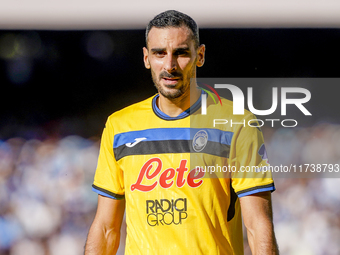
{"x":158,"y":49}
{"x":185,"y":48}
{"x":182,"y":49}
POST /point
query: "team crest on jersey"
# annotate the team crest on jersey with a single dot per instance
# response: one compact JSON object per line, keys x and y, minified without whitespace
{"x":200,"y":140}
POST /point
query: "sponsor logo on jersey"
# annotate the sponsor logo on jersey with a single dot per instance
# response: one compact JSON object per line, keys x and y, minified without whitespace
{"x":200,"y":140}
{"x":151,"y":176}
{"x":137,"y":140}
{"x":166,"y":212}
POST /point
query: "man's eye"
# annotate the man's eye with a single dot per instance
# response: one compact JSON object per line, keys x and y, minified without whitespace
{"x":160,"y":53}
{"x":181,"y":52}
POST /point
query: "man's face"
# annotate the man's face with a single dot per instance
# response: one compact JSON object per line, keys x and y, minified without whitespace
{"x":172,"y":57}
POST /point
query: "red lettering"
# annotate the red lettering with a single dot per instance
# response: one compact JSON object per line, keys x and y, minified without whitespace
{"x":146,"y":171}
{"x":166,"y":178}
{"x":192,"y":177}
{"x":168,"y":174}
{"x":181,"y":170}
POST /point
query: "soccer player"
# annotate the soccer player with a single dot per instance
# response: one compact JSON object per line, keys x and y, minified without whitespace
{"x":145,"y":167}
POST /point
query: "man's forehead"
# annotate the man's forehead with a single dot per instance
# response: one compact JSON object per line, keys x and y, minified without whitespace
{"x":176,"y":35}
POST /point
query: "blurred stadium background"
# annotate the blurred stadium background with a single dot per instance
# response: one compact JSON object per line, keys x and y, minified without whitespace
{"x":66,"y":66}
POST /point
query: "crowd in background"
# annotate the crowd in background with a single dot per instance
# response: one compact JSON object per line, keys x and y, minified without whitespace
{"x":47,"y":205}
{"x":46,"y":202}
{"x":307,"y":210}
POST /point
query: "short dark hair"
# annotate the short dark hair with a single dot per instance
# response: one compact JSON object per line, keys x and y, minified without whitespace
{"x":173,"y":18}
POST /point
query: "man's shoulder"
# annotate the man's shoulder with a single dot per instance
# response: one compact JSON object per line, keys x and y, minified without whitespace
{"x":135,"y":109}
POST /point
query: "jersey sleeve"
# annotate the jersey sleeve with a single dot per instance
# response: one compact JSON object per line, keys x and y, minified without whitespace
{"x":109,"y":178}
{"x":249,"y":157}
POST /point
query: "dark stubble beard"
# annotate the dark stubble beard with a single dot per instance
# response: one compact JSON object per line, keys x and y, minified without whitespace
{"x":174,"y":93}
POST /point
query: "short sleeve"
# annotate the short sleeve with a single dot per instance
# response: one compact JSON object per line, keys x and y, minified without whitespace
{"x":249,"y":157}
{"x":109,"y":178}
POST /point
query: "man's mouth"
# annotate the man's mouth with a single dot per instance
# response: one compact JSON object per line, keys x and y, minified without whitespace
{"x":170,"y":81}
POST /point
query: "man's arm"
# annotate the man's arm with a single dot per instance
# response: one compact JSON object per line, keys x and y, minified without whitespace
{"x":258,"y":219}
{"x":104,"y":234}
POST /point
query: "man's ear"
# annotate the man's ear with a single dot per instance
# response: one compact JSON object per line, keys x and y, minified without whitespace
{"x":200,"y":55}
{"x":146,"y":58}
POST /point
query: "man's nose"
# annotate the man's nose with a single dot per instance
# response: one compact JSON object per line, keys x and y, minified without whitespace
{"x":170,"y":64}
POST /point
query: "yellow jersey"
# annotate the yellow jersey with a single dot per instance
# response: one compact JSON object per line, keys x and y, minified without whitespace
{"x":175,"y":203}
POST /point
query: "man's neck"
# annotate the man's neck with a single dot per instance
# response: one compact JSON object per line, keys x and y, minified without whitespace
{"x":174,"y":107}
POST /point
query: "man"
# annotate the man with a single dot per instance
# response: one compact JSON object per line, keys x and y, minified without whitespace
{"x":144,"y":164}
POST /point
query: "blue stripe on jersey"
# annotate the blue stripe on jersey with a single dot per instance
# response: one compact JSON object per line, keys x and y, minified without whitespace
{"x":163,"y":134}
{"x":257,"y":191}
{"x":102,"y":193}
{"x":184,"y":114}
{"x":106,"y":194}
{"x":162,"y":115}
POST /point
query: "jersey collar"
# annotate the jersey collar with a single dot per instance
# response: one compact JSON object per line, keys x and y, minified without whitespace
{"x":183,"y":115}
